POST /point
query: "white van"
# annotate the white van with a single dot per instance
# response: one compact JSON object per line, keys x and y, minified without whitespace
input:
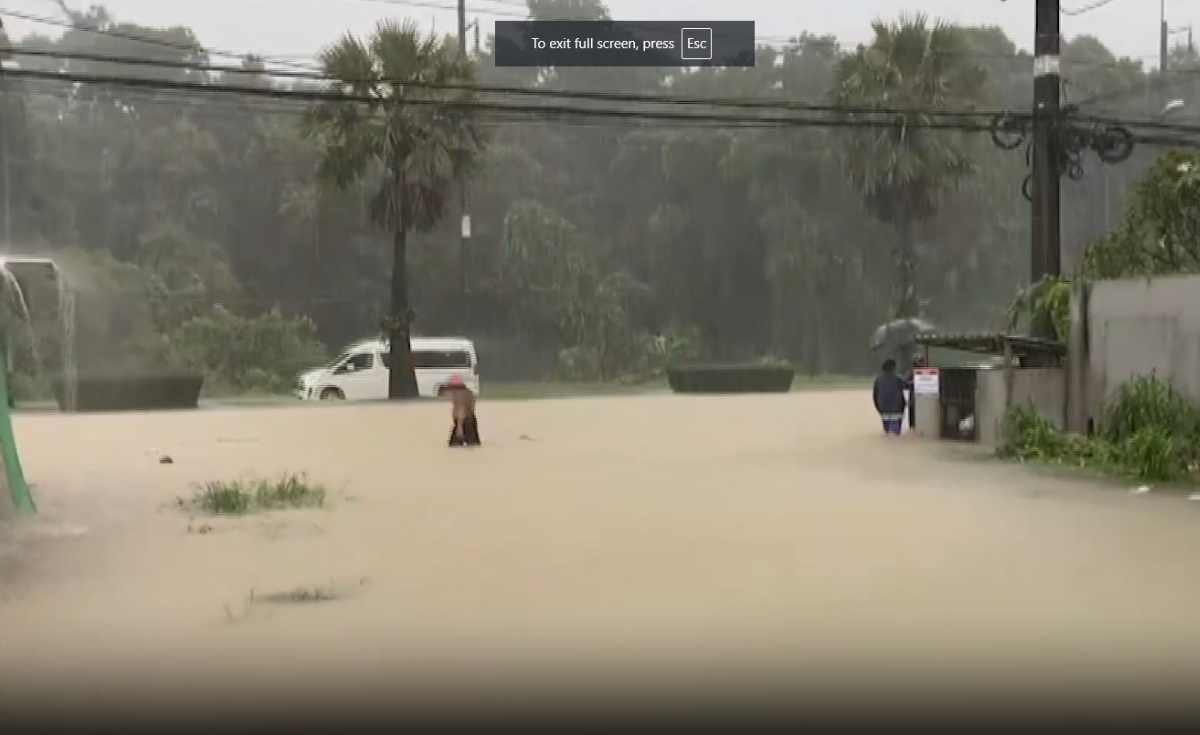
{"x":361,"y":373}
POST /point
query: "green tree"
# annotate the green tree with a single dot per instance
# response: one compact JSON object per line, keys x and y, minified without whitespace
{"x":567,"y":10}
{"x":1094,"y":71}
{"x":415,"y":143}
{"x":903,"y":170}
{"x":1161,"y":230}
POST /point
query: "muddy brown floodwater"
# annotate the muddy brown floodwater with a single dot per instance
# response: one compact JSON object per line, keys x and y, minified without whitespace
{"x":650,"y":545}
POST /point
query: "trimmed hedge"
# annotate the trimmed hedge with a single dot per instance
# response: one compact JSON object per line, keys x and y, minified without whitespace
{"x":122,"y":392}
{"x":730,"y":378}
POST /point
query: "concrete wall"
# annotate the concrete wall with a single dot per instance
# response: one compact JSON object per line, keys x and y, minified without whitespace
{"x":929,"y":417}
{"x":1043,"y":388}
{"x":1142,"y":326}
{"x":991,"y":396}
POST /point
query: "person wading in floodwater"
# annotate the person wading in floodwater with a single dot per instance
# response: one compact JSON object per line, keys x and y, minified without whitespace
{"x":889,"y":398}
{"x":465,"y":432}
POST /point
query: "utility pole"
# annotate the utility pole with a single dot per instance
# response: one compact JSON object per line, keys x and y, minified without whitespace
{"x":465,"y":230}
{"x":1162,"y":39}
{"x":1047,"y":87}
{"x":462,"y":27}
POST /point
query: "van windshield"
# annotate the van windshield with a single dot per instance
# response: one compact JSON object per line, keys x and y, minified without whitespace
{"x":338,"y":360}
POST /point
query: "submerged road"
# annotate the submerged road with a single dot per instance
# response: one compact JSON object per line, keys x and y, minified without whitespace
{"x":641,"y":546}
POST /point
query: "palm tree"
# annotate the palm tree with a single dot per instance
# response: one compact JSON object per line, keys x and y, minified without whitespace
{"x":415,"y":138}
{"x":902,"y":171}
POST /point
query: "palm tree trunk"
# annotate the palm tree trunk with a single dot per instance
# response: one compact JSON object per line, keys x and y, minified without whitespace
{"x":402,"y":379}
{"x":904,"y":290}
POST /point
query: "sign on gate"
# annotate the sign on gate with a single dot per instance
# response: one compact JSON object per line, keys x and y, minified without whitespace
{"x":925,"y":381}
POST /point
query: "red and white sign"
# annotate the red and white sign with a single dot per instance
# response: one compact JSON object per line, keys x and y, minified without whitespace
{"x":925,"y":381}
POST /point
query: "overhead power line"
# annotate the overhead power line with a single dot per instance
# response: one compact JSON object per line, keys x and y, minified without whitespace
{"x":448,"y":7}
{"x":1086,"y":8}
{"x":660,"y":99}
{"x":203,"y":106}
{"x":967,"y":120}
{"x":496,"y":113}
{"x":1147,"y":124}
{"x":149,"y":40}
{"x":543,"y":111}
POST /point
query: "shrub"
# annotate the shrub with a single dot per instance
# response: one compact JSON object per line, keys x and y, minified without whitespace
{"x":1150,"y":433}
{"x":1146,"y":402}
{"x":249,"y":353}
{"x":578,"y":363}
{"x":730,"y":379}
{"x":225,"y":498}
{"x":290,"y":491}
{"x":1027,"y":435}
{"x":1153,"y":454}
{"x":119,"y":313}
{"x":675,"y":346}
{"x":642,"y":357}
{"x":238,"y":497}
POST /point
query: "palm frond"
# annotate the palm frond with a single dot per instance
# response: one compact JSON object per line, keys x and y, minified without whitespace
{"x":420,"y":147}
{"x":401,"y":51}
{"x":350,"y":62}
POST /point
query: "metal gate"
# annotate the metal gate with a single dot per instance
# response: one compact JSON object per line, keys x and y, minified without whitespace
{"x":957,"y":397}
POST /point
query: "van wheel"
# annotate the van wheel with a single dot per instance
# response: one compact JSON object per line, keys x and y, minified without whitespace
{"x":332,"y":394}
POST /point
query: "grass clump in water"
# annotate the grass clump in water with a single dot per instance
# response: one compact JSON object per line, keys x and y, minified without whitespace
{"x":238,"y":497}
{"x":1150,"y":433}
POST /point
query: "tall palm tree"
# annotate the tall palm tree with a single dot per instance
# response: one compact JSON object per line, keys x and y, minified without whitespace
{"x":416,"y":139}
{"x":903,"y":170}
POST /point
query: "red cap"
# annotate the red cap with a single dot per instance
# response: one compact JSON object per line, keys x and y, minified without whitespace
{"x":456,"y":381}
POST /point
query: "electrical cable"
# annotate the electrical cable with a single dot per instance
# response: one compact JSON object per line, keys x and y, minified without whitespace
{"x":538,"y":110}
{"x":1085,"y":8}
{"x":718,"y":102}
{"x":197,"y":48}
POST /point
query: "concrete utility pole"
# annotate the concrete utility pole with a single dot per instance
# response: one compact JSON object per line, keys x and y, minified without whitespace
{"x":1047,"y":86}
{"x":462,"y":27}
{"x":465,"y":230}
{"x":1162,"y":39}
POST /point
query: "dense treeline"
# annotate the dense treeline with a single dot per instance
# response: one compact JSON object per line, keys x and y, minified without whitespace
{"x":599,"y":249}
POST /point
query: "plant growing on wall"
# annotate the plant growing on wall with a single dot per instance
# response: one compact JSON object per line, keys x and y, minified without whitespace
{"x":1045,"y":307}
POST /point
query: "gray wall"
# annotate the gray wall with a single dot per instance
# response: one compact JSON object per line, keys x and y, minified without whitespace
{"x":1043,"y":388}
{"x":991,"y":398}
{"x":1142,"y":326}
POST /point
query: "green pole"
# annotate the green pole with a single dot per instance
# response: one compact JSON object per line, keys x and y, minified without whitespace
{"x":22,"y":500}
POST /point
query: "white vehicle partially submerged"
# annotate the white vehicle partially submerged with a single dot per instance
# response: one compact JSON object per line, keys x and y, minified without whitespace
{"x":360,"y":373}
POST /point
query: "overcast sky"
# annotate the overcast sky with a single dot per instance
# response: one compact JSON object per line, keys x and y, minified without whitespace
{"x":302,"y":27}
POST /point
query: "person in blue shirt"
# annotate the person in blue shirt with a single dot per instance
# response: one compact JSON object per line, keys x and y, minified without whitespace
{"x":889,"y":398}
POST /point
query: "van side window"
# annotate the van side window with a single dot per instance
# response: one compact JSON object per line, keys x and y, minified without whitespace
{"x":441,"y":359}
{"x":361,"y":361}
